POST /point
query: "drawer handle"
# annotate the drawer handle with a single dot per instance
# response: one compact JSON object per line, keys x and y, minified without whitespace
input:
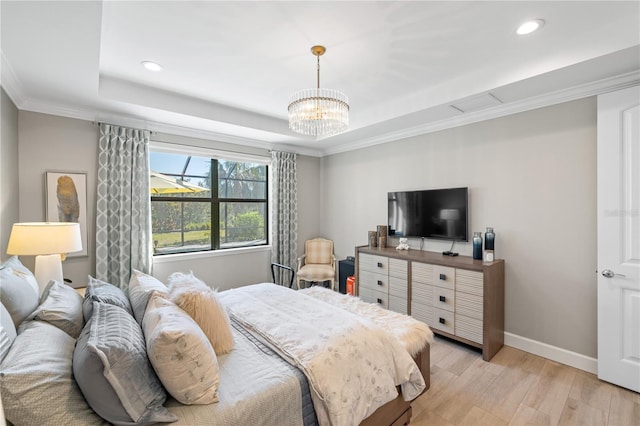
{"x":443,"y":277}
{"x":379,"y":264}
{"x":441,"y":319}
{"x":443,"y":299}
{"x":380,"y":301}
{"x":379,"y":282}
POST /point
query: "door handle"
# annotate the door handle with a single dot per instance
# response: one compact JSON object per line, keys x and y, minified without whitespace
{"x":608,"y":273}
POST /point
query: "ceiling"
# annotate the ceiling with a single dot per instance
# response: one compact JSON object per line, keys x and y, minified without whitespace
{"x":408,"y":67}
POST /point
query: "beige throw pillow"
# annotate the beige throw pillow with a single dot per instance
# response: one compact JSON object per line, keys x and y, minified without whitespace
{"x":180,"y":353}
{"x":202,"y":304}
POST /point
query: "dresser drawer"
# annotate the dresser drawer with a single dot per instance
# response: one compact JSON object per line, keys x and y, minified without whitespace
{"x":373,"y":281}
{"x":373,"y":263}
{"x":443,"y":298}
{"x":443,"y":320}
{"x":421,"y":272}
{"x":398,"y":304}
{"x":469,"y":282}
{"x":422,"y":312}
{"x":422,"y":293}
{"x":444,"y":276}
{"x":398,"y":287}
{"x":469,"y":328}
{"x":398,"y":268}
{"x":469,"y":305}
{"x":373,"y":296}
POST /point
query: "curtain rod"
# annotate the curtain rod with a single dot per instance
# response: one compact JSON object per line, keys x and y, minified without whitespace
{"x":97,"y":123}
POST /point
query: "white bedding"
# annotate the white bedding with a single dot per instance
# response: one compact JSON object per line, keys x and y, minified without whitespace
{"x":352,"y":365}
{"x":261,"y":404}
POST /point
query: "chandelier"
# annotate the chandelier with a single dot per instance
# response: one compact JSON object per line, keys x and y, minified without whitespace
{"x":318,"y":112}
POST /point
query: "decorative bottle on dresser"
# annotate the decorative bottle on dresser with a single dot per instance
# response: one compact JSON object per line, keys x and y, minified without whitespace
{"x":477,"y":245}
{"x":489,"y":243}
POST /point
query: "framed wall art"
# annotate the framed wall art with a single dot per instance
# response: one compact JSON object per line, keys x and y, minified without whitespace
{"x":66,"y":201}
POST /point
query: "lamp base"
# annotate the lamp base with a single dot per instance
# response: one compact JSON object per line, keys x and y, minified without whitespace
{"x":48,"y":267}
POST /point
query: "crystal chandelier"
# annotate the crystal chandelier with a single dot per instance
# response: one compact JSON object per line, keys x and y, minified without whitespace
{"x":318,"y":112}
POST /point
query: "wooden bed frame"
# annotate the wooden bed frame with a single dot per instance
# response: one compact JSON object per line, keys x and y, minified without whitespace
{"x":398,"y":411}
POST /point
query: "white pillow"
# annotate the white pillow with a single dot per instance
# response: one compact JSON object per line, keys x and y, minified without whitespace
{"x":202,"y":304}
{"x":19,"y":291}
{"x":180,"y":353}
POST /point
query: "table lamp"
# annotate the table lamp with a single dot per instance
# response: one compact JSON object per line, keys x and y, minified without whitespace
{"x":49,"y":242}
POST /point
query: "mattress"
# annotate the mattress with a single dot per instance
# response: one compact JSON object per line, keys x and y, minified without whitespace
{"x":278,"y":393}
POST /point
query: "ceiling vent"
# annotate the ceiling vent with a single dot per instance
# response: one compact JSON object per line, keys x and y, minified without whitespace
{"x":476,"y":103}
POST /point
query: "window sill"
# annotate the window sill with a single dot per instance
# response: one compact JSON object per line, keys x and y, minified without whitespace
{"x":178,"y":257}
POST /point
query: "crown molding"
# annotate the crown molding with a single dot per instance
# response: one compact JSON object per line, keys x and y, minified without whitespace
{"x":89,"y":114}
{"x":11,"y":83}
{"x":565,"y":95}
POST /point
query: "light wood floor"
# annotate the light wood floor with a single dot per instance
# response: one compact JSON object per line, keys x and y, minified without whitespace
{"x":517,"y":388}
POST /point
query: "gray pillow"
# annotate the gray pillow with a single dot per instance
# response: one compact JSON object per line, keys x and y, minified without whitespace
{"x":111,"y":367}
{"x":36,"y":381}
{"x":7,"y":332}
{"x":62,"y":307}
{"x":18,"y":290}
{"x":103,"y":292}
{"x":141,"y":286}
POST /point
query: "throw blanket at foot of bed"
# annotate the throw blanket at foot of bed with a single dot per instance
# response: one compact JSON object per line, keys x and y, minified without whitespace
{"x":352,"y":365}
{"x":413,"y":334}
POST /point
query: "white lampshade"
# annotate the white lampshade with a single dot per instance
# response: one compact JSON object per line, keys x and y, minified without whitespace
{"x":49,"y":242}
{"x":35,"y":238}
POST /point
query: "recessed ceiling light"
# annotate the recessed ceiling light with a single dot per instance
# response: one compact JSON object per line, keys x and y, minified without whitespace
{"x":152,"y":66}
{"x":530,"y":26}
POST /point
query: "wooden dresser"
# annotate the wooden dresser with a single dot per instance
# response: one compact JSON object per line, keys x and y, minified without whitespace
{"x":458,"y":297}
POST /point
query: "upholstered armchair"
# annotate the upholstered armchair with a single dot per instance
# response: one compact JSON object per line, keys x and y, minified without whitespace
{"x":318,"y":262}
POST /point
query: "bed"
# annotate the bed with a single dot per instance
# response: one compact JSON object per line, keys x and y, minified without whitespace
{"x":273,"y":375}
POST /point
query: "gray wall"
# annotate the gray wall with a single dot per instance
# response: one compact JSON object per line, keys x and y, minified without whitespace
{"x":8,"y":170}
{"x":52,"y":143}
{"x":532,"y":176}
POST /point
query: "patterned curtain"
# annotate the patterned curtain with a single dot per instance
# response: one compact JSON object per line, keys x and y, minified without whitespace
{"x":285,"y":211}
{"x":123,"y":206}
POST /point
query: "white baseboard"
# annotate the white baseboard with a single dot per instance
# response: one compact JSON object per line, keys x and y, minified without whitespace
{"x":553,"y":353}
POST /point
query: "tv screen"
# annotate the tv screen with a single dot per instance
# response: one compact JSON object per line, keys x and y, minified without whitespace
{"x":433,"y":213}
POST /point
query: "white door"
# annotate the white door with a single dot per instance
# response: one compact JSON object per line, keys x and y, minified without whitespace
{"x":619,"y":238}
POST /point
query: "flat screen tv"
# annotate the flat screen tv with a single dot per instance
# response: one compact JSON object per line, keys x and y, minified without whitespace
{"x":433,"y":213}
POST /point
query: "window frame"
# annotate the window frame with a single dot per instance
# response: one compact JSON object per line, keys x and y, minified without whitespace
{"x":214,"y":200}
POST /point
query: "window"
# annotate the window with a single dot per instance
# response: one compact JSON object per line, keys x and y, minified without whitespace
{"x":200,"y":203}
